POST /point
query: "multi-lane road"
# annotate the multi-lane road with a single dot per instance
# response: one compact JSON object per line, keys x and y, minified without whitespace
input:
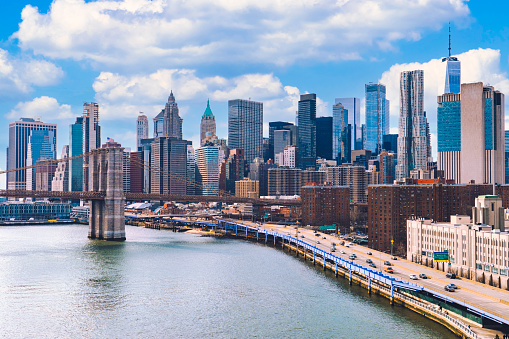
{"x":490,"y":299}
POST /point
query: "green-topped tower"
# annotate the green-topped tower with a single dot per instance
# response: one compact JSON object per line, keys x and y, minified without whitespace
{"x":208,"y":124}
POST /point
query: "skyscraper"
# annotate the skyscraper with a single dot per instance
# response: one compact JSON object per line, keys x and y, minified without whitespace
{"x":169,"y":155}
{"x":191,"y":171}
{"x":245,"y":127}
{"x":340,"y":124}
{"x":91,"y":136}
{"x":377,"y":117}
{"x":18,"y":150}
{"x":207,"y":125}
{"x":471,"y":134}
{"x":76,"y":148}
{"x":141,"y":129}
{"x":275,"y":126}
{"x":413,"y":125}
{"x":506,"y":159}
{"x":282,"y":139}
{"x":452,"y":71}
{"x":207,"y":169}
{"x":306,"y":117}
{"x":168,"y":123}
{"x":353,"y":106}
{"x":324,"y":138}
{"x":41,"y":147}
{"x":235,"y":165}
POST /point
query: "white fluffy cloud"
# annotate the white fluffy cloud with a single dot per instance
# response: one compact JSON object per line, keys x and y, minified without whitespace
{"x":124,"y":96}
{"x":478,"y":65}
{"x":18,"y":75}
{"x":156,"y":33}
{"x":44,"y":107}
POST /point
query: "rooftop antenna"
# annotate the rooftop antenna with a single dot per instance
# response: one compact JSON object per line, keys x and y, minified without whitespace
{"x":449,"y":39}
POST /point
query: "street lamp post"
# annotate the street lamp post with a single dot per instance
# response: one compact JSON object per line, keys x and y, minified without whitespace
{"x":392,"y":245}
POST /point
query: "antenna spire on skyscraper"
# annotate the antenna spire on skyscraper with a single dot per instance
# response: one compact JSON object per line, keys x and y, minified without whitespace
{"x":449,"y":39}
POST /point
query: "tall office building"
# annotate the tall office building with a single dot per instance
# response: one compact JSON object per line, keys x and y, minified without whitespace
{"x":168,"y":123}
{"x":136,"y":172}
{"x":306,"y":117}
{"x":91,"y":136}
{"x":506,"y":158}
{"x":191,"y":171}
{"x":282,"y":139}
{"x":452,"y":71}
{"x":324,"y":138}
{"x":377,"y":117}
{"x":413,"y":125}
{"x":60,"y":181}
{"x":76,"y":148}
{"x":340,"y":116}
{"x":141,"y":129}
{"x":170,"y":156}
{"x":18,"y":150}
{"x":275,"y":126}
{"x":245,"y":127}
{"x":235,"y":165}
{"x":207,"y":169}
{"x":471,"y":143}
{"x":353,"y":106}
{"x":207,"y":125}
{"x":41,"y":147}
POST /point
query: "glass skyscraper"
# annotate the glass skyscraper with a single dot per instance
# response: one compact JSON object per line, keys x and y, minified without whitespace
{"x":18,"y":151}
{"x":245,"y":127}
{"x":41,"y":146}
{"x":353,"y":105}
{"x":76,"y":148}
{"x":377,"y":117}
{"x":307,"y":131}
{"x":452,"y":75}
{"x":413,"y":125}
{"x":324,"y":137}
{"x":340,"y":119}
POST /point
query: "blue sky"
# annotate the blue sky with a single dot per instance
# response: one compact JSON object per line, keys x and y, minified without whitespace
{"x":127,"y":55}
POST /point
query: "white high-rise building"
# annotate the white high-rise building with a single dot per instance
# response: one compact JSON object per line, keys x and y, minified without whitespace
{"x":207,"y":169}
{"x":413,"y":125}
{"x":290,"y":155}
{"x":91,"y":136}
{"x":191,"y":171}
{"x":60,"y":181}
{"x":141,"y":129}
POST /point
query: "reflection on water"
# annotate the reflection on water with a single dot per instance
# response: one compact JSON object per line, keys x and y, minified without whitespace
{"x":104,"y":282}
{"x":55,"y":282}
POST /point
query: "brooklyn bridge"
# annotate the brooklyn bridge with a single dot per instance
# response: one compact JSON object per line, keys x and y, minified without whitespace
{"x":107,"y":197}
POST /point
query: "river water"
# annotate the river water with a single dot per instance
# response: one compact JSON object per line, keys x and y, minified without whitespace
{"x":56,"y":283}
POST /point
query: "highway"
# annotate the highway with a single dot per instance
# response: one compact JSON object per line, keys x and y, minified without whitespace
{"x":485,"y":297}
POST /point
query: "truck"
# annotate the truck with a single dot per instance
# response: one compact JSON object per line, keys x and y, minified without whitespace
{"x":389,"y":269}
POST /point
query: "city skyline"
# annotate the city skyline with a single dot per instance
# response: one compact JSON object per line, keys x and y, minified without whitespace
{"x":53,"y":81}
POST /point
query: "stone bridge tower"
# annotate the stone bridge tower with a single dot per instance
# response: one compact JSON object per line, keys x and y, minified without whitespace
{"x":106,"y":219}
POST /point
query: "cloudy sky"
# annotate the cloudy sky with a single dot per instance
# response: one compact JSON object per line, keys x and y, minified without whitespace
{"x":127,"y":55}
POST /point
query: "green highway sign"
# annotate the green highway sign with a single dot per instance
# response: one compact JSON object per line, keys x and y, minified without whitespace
{"x":441,"y":256}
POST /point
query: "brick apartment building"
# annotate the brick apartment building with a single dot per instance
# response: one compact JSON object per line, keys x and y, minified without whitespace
{"x":389,"y":207}
{"x":326,"y":205}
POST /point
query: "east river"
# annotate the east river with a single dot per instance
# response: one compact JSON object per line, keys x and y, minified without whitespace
{"x":56,"y":283}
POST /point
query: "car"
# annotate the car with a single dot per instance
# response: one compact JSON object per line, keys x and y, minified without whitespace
{"x":448,"y":288}
{"x":372,"y":265}
{"x":347,"y":246}
{"x":423,"y":276}
{"x":369,"y":261}
{"x":388,"y":263}
{"x":388,"y":269}
{"x":450,"y":275}
{"x":355,"y":255}
{"x":413,"y":276}
{"x":453,"y":286}
{"x":317,"y":234}
{"x":352,"y":257}
{"x":394,"y":258}
{"x":369,"y":253}
{"x":318,"y":241}
{"x":333,"y":244}
{"x":343,"y":252}
{"x":298,"y":231}
{"x":302,"y":236}
{"x":350,"y":244}
{"x":324,"y":237}
{"x":333,"y":249}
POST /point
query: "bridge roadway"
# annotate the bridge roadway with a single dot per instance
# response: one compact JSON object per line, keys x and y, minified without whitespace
{"x":90,"y":195}
{"x":484,"y":297}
